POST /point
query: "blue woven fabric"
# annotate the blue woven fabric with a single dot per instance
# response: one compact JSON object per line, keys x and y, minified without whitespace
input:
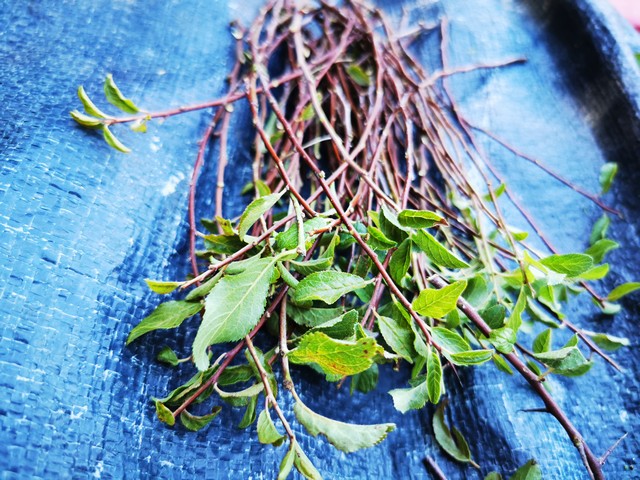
{"x":82,"y":226}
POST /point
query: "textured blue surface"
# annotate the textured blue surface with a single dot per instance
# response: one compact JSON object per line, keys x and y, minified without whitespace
{"x":83,"y":225}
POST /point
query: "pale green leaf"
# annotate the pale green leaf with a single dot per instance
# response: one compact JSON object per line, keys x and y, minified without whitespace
{"x":607,"y":174}
{"x":493,"y":476}
{"x":112,"y":141}
{"x":596,"y":273}
{"x":333,"y":356}
{"x":571,"y":264}
{"x":622,"y":290}
{"x":347,"y":437}
{"x":342,"y":327}
{"x":233,"y":307}
{"x":449,"y":340}
{"x":164,"y":414}
{"x":608,"y":342}
{"x":398,"y":335}
{"x":304,"y":465}
{"x":327,"y":286}
{"x":162,"y":287}
{"x":435,"y":252}
{"x":434,"y":377}
{"x":514,"y":322}
{"x":420,"y":219}
{"x":85,"y":120}
{"x":600,"y":248}
{"x":542,"y":342}
{"x":287,"y":463}
{"x":600,"y":228}
{"x":472,"y":357}
{"x":116,"y":98}
{"x":501,"y":364}
{"x":288,"y":239}
{"x":503,"y":339}
{"x":405,"y":399}
{"x":436,"y":303}
{"x":197,"y":422}
{"x":223,"y":244}
{"x":255,"y":210}
{"x":89,"y":106}
{"x":250,"y":413}
{"x":567,"y":361}
{"x":166,"y":315}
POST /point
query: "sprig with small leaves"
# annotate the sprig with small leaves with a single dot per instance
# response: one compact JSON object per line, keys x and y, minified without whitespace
{"x":368,"y":241}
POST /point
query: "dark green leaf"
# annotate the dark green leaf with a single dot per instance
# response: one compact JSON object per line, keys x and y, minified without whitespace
{"x":89,"y":106}
{"x":494,"y":315}
{"x":600,"y":248}
{"x":196,"y":422}
{"x":358,"y":75}
{"x":622,"y":290}
{"x":162,"y":287}
{"x":164,"y":414}
{"x":242,"y":397}
{"x":233,"y":307}
{"x":85,"y":120}
{"x":337,"y":357}
{"x":567,"y":361}
{"x":452,"y":440}
{"x":342,"y":327}
{"x":609,"y":342}
{"x":327,"y":286}
{"x":477,"y":291}
{"x":112,"y":141}
{"x":268,"y":434}
{"x":436,"y":303}
{"x":255,"y":210}
{"x":571,"y":264}
{"x":529,"y":471}
{"x":542,"y":343}
{"x":167,"y":315}
{"x":288,"y":240}
{"x":347,"y":437}
{"x":249,"y":414}
{"x":116,"y":98}
{"x":607,"y":174}
{"x":312,"y":317}
{"x":366,"y":381}
{"x":400,"y":261}
{"x":378,"y":240}
{"x":236,"y":374}
{"x":503,"y":339}
{"x":168,"y":356}
{"x":390,"y":225}
{"x":398,"y":335}
{"x":223,"y":244}
{"x":202,"y":291}
{"x":436,"y":253}
{"x":420,"y":219}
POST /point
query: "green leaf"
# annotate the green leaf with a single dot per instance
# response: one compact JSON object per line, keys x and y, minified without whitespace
{"x":595,"y":273}
{"x":202,"y":291}
{"x":472,"y":357}
{"x":116,"y":98}
{"x":236,"y":374}
{"x":342,"y":327}
{"x":255,"y":210}
{"x":333,"y":356}
{"x":223,"y":244}
{"x":571,"y":264}
{"x":261,"y":187}
{"x":437,"y":254}
{"x":514,"y":321}
{"x":607,"y":174}
{"x":567,"y":361}
{"x":288,"y":240}
{"x":610,"y":343}
{"x":451,"y":441}
{"x":436,"y":303}
{"x":313,"y":317}
{"x":600,"y":228}
{"x":608,"y":308}
{"x":494,"y":316}
{"x":378,"y":240}
{"x":112,"y":141}
{"x":501,"y":364}
{"x":242,"y":397}
{"x":398,"y":335}
{"x":600,"y":248}
{"x":327,"y":286}
{"x":493,"y":476}
{"x":542,"y":343}
{"x":304,"y":465}
{"x":233,"y":307}
{"x":162,"y":287}
{"x":529,"y":471}
{"x":405,"y":399}
{"x":287,"y":463}
{"x":449,"y":340}
{"x":390,"y":225}
{"x":400,"y":261}
{"x":268,"y":434}
{"x":420,"y":219}
{"x":168,"y":356}
{"x":196,"y":422}
{"x":249,"y":414}
{"x":503,"y":339}
{"x":366,"y":381}
{"x":89,"y":106}
{"x":347,"y":437}
{"x":166,"y":315}
{"x":434,"y":377}
{"x":358,"y":75}
{"x":85,"y":120}
{"x":164,"y":414}
{"x":622,"y":290}
{"x":140,"y":125}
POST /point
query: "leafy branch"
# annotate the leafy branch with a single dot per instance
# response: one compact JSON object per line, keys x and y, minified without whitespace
{"x":375,"y":233}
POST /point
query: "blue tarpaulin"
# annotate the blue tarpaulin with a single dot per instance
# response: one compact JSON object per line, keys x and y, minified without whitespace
{"x":83,"y":225}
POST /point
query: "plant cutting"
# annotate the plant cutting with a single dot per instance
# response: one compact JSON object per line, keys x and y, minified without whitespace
{"x":373,"y":234}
